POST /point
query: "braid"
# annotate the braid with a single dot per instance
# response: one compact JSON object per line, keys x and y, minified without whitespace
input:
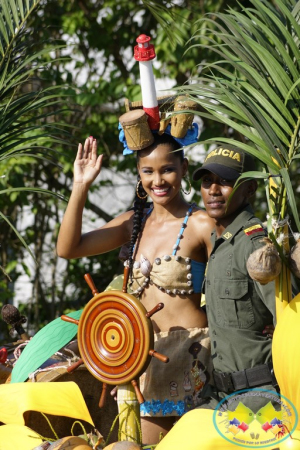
{"x":138,"y":206}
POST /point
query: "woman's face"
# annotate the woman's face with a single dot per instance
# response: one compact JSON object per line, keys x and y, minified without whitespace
{"x":161,"y":172}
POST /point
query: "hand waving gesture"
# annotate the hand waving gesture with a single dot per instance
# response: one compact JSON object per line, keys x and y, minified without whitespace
{"x":87,"y":164}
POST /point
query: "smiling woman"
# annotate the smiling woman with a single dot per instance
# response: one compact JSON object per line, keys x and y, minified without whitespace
{"x":167,"y":255}
{"x":162,"y":171}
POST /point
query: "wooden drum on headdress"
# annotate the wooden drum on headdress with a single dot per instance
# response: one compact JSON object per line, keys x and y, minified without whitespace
{"x":115,"y":337}
{"x":180,"y":123}
{"x":136,"y":129}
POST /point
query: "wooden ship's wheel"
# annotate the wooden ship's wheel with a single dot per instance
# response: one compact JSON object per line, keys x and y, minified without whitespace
{"x":115,"y":337}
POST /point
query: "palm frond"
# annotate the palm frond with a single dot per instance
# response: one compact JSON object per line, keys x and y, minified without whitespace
{"x":167,"y":20}
{"x":33,"y":189}
{"x":254,"y":88}
{"x":27,"y":111}
{"x":14,"y":14}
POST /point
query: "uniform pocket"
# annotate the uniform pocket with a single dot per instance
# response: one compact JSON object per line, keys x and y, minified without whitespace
{"x":234,"y":305}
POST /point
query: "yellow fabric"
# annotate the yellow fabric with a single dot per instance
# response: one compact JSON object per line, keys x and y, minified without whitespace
{"x":203,"y":301}
{"x":60,"y":398}
{"x":283,"y":285}
{"x":116,"y":284}
{"x":195,"y":431}
{"x":286,"y":352}
{"x":18,"y":437}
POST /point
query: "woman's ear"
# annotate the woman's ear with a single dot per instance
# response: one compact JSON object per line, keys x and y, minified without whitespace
{"x":185,"y":165}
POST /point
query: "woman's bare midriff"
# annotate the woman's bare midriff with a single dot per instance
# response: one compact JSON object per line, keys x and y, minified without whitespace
{"x":183,"y":311}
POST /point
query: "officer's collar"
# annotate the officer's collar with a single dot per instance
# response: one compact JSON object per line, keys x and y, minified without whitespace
{"x":237,"y":224}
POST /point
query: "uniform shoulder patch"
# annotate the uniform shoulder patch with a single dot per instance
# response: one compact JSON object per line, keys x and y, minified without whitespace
{"x":254,"y":229}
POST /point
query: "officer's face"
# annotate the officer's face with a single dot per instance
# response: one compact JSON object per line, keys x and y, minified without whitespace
{"x":216,"y":191}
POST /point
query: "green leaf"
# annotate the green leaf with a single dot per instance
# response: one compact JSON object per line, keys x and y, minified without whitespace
{"x":279,"y":45}
{"x":11,"y":265}
{"x":291,"y":91}
{"x":45,"y":343}
{"x":21,"y":9}
{"x":291,"y":196}
{"x":32,"y":189}
{"x":7,"y":16}
{"x":9,"y":30}
{"x":257,"y":121}
{"x":168,"y":21}
{"x":14,"y":11}
{"x":270,"y":109}
{"x":26,"y":269}
{"x":254,"y":174}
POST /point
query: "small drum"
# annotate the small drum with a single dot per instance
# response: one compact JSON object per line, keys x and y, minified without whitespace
{"x":180,"y":123}
{"x":136,"y":129}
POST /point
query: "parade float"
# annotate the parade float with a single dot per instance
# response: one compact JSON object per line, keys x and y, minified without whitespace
{"x":46,"y":378}
{"x":256,"y":93}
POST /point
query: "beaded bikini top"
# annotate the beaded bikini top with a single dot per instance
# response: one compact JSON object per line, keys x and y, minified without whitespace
{"x":173,"y":274}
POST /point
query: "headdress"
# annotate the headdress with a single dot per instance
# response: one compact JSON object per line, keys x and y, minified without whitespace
{"x":143,"y":119}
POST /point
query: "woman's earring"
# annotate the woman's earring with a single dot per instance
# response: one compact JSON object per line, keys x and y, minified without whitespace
{"x":137,"y":191}
{"x":190,"y":187}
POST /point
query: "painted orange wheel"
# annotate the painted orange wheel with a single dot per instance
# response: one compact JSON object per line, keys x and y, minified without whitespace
{"x":114,"y":337}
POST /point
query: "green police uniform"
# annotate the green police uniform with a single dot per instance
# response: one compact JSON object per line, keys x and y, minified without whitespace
{"x":238,"y":309}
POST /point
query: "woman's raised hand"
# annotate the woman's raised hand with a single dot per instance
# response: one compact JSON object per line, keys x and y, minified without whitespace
{"x":87,"y":164}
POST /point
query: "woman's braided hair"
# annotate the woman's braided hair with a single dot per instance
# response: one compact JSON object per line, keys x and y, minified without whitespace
{"x":140,"y":203}
{"x":138,"y":206}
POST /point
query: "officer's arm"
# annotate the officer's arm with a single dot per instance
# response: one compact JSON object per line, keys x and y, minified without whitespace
{"x":267,"y":295}
{"x":265,"y":291}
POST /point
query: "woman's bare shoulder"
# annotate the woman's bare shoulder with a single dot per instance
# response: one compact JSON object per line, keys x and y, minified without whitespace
{"x":120,"y":227}
{"x":201,"y":215}
{"x":121,"y":218}
{"x":125,"y":220}
{"x":202,"y":224}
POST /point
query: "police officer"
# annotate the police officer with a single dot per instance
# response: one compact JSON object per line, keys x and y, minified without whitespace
{"x":239,"y":309}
